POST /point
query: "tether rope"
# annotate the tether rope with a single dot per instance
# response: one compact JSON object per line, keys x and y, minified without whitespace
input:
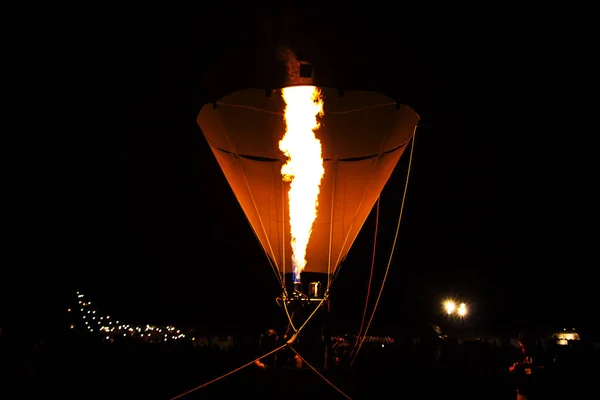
{"x":230,"y":372}
{"x":362,"y":322}
{"x":387,"y":270}
{"x":329,"y":112}
{"x":288,"y":343}
{"x":321,"y":375}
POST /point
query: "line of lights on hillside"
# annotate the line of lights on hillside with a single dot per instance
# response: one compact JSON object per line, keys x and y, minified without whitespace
{"x":113,"y":329}
{"x":94,"y":322}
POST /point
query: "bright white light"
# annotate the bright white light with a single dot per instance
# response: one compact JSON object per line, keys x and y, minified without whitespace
{"x":449,"y":306}
{"x":462,"y":309}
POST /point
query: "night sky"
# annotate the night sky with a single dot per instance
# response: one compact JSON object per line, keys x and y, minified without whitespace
{"x":495,"y":210}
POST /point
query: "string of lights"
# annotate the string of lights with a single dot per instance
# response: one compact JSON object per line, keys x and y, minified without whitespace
{"x":371,"y":339}
{"x":90,"y":318}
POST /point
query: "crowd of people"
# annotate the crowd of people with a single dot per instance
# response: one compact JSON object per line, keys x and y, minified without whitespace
{"x":526,"y":371}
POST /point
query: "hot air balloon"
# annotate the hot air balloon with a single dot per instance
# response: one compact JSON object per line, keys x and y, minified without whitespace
{"x":363,"y":135}
{"x":357,"y":138}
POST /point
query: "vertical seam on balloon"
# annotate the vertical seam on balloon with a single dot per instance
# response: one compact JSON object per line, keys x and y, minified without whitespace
{"x":273,"y":260}
{"x":260,"y":219}
{"x":283,"y":241}
{"x":334,"y":170}
{"x":354,"y":219}
{"x":364,"y":193}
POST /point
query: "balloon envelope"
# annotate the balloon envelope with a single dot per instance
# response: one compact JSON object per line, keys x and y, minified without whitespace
{"x":363,"y":134}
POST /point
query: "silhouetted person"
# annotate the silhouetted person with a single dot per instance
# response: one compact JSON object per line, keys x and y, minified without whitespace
{"x":341,"y":352}
{"x":524,"y":369}
{"x":268,"y":342}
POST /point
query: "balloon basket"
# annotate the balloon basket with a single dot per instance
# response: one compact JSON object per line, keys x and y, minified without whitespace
{"x":310,"y":289}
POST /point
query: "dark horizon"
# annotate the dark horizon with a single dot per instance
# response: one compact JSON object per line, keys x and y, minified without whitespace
{"x":155,"y":234}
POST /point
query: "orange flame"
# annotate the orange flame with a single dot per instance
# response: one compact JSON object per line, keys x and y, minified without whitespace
{"x":304,"y":168}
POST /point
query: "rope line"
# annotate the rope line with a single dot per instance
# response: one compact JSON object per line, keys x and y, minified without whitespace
{"x":288,"y":343}
{"x":362,"y":322}
{"x":321,"y":375}
{"x":362,"y":108}
{"x":289,"y":317}
{"x":289,"y":326}
{"x":230,"y":372}
{"x":312,"y":314}
{"x":329,"y":112}
{"x":412,"y":147}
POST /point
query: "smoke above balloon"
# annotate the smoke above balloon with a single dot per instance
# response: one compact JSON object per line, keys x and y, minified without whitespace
{"x":304,"y":167}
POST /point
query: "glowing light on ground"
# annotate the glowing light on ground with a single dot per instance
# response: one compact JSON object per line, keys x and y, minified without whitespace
{"x":304,"y":167}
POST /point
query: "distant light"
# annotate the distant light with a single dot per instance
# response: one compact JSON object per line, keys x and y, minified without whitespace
{"x":382,"y":345}
{"x":68,"y":310}
{"x":449,"y":306}
{"x":462,"y":309}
